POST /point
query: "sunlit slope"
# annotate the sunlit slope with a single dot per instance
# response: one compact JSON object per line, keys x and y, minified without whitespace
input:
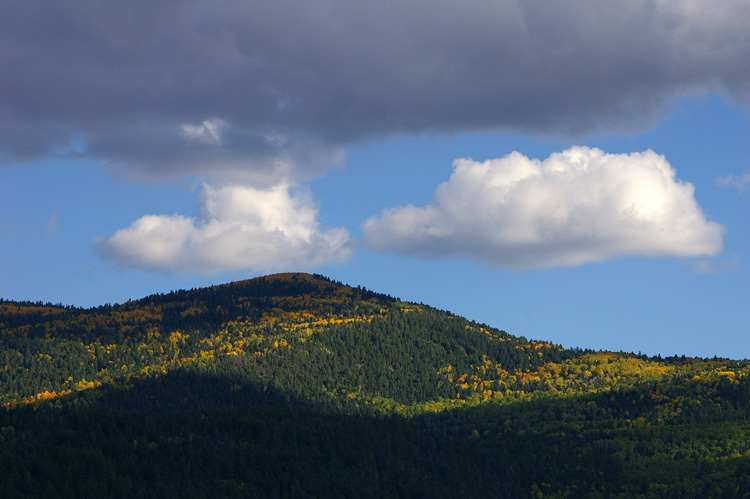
{"x":300,"y":333}
{"x":315,"y":342}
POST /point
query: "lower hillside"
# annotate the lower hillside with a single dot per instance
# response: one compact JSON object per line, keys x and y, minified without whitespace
{"x":294,"y":385}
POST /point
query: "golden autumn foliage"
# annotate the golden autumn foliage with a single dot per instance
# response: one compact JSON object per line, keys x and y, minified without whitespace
{"x":299,"y":312}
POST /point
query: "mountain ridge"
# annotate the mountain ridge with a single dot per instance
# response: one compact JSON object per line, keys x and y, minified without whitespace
{"x":304,"y":349}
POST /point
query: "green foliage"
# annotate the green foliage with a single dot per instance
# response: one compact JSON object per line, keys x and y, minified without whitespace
{"x":295,"y":385}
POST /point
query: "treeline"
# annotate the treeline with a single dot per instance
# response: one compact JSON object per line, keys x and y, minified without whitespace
{"x":192,"y":434}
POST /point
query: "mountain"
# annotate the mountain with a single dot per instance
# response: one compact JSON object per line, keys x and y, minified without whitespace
{"x":295,"y":385}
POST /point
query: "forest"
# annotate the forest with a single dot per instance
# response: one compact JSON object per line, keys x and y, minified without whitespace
{"x":294,"y":385}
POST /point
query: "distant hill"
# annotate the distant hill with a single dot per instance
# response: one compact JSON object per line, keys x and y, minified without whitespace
{"x":295,"y":385}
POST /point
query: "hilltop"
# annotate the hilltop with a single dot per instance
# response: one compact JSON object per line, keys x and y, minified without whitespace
{"x":275,"y":375}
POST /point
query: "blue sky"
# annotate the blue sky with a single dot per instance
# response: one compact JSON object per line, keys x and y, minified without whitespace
{"x":545,"y":172}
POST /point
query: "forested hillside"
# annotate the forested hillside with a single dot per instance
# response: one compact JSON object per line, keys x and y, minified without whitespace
{"x":293,"y":385}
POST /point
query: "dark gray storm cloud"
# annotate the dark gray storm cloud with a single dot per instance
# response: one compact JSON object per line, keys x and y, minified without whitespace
{"x":181,"y":86}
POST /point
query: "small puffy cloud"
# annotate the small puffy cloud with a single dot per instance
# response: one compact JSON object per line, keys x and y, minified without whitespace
{"x":208,"y":132}
{"x":52,"y":224}
{"x":738,"y":181}
{"x":8,"y":228}
{"x":238,"y":227}
{"x":581,"y":205}
{"x":714,"y":267}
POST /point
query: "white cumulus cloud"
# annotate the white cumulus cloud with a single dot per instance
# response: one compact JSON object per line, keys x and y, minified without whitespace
{"x":238,"y":227}
{"x":577,"y":206}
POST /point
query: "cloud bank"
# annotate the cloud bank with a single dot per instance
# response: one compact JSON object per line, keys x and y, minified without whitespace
{"x":238,"y":87}
{"x":270,"y":93}
{"x":581,"y":205}
{"x":239,"y":227}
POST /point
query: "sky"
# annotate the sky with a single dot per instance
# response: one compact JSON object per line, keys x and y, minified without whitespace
{"x":576,"y":172}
